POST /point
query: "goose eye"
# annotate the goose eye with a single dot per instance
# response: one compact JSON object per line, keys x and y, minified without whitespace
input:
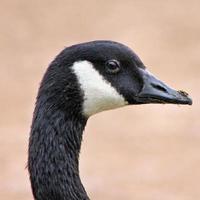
{"x":112,"y":66}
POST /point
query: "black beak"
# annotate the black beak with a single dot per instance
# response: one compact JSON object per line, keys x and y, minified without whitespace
{"x":155,"y":91}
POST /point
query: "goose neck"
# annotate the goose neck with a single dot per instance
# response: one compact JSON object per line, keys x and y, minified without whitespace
{"x":53,"y":162}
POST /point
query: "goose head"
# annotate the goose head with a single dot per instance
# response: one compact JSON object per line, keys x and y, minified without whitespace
{"x":110,"y":75}
{"x":84,"y":79}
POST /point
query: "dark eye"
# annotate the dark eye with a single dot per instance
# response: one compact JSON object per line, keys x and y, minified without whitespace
{"x":112,"y":66}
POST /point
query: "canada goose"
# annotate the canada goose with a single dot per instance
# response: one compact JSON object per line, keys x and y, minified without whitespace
{"x":84,"y":79}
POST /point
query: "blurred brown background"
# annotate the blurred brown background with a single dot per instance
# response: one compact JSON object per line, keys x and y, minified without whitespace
{"x":149,"y":152}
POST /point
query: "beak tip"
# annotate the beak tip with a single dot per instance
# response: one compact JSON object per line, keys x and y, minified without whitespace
{"x":186,"y":97}
{"x":190,"y":102}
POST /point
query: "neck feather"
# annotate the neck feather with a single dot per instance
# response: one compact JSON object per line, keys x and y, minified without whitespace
{"x":53,"y":162}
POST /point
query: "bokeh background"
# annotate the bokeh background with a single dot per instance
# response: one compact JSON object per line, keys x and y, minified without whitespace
{"x":148,"y":152}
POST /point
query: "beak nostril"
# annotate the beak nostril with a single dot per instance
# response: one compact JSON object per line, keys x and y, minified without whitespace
{"x":159,"y":87}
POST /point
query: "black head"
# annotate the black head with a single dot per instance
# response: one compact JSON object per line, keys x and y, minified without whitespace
{"x":109,"y":75}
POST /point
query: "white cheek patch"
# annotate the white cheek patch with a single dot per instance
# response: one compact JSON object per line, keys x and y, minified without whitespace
{"x":99,"y":95}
